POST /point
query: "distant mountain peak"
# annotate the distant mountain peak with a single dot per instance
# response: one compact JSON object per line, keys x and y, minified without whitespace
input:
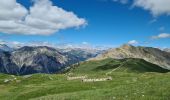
{"x":4,"y":47}
{"x":126,"y":46}
{"x":167,"y":50}
{"x":29,"y":48}
{"x":152,"y":55}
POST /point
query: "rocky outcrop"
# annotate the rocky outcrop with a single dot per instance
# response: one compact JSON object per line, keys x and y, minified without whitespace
{"x":6,"y":64}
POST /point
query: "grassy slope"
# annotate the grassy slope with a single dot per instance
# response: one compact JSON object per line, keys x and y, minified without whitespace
{"x":118,"y":65}
{"x":148,"y":86}
{"x":125,"y":85}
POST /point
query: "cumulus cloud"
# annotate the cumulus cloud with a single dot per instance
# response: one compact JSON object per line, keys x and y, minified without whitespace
{"x":133,"y":42}
{"x":42,"y":18}
{"x":162,"y":35}
{"x":156,"y":7}
{"x":40,"y":43}
{"x":17,"y":44}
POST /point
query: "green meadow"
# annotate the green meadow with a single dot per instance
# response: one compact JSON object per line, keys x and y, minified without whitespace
{"x":126,"y":84}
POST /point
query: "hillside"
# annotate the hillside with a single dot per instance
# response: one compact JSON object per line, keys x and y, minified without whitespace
{"x":118,"y":65}
{"x":152,"y":55}
{"x":129,"y":86}
{"x":131,"y":79}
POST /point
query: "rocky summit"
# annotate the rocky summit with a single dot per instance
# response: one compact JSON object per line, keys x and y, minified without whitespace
{"x":152,"y":55}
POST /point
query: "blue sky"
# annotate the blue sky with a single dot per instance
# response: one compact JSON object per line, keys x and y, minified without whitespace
{"x":110,"y":23}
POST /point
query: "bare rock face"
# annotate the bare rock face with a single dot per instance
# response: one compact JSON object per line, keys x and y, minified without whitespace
{"x":152,"y":55}
{"x":6,"y":64}
{"x":42,"y":59}
{"x":38,"y":60}
{"x":29,"y":60}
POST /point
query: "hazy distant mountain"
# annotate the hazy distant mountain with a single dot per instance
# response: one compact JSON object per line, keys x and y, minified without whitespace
{"x":42,"y":59}
{"x":81,"y":54}
{"x":167,"y":49}
{"x":152,"y":55}
{"x":4,"y":47}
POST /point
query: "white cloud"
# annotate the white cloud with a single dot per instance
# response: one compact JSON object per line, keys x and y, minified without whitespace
{"x":39,"y":43}
{"x":162,"y":35}
{"x":17,"y":44}
{"x":11,"y":10}
{"x":156,"y":7}
{"x":132,"y":42}
{"x":83,"y":45}
{"x":43,"y":18}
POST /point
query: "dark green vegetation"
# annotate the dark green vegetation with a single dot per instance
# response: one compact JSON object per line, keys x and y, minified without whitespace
{"x":118,"y":65}
{"x":133,"y":79}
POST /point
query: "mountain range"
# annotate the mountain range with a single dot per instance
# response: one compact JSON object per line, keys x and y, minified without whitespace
{"x":4,"y":47}
{"x":43,"y":59}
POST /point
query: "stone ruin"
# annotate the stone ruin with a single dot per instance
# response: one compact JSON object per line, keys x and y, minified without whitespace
{"x":97,"y":79}
{"x":75,"y":78}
